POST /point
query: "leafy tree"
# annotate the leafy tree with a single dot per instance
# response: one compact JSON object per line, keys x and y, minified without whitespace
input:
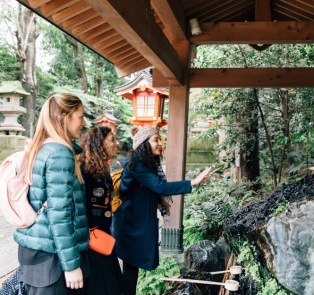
{"x":240,"y":112}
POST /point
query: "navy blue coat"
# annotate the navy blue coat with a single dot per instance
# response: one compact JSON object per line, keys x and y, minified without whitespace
{"x":135,"y":224}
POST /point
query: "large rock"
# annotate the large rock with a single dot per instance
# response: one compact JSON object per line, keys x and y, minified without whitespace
{"x":204,"y":255}
{"x":282,"y":244}
{"x":288,"y":243}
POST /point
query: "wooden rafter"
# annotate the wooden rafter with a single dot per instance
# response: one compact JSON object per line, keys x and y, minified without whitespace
{"x":69,"y":12}
{"x":37,"y":3}
{"x":142,"y":33}
{"x":90,"y":25}
{"x":102,"y":37}
{"x":300,"y":6}
{"x":95,"y":32}
{"x":226,"y":10}
{"x":120,"y":52}
{"x":122,"y":72}
{"x":190,"y":3}
{"x":255,"y":33}
{"x":237,"y":13}
{"x":127,"y":59}
{"x":245,"y":78}
{"x":133,"y":62}
{"x":56,"y":6}
{"x":307,"y":2}
{"x":113,"y":47}
{"x":109,"y":42}
{"x":287,"y":12}
{"x":79,"y":19}
{"x":172,"y":16}
{"x":293,"y":9}
{"x":205,"y":7}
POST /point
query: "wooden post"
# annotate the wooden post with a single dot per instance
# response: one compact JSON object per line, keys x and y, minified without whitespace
{"x":176,"y":142}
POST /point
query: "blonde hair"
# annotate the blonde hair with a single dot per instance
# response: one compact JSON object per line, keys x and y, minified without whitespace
{"x":52,"y":124}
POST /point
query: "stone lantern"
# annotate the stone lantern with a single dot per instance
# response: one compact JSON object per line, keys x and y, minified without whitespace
{"x":11,"y":138}
{"x":12,"y":92}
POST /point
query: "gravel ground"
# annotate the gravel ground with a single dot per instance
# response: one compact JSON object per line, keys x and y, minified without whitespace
{"x":7,"y":244}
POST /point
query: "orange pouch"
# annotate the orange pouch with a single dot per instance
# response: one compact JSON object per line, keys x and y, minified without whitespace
{"x":100,"y":241}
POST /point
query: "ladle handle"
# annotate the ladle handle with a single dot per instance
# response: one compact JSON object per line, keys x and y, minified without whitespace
{"x":176,"y":279}
{"x":219,"y":272}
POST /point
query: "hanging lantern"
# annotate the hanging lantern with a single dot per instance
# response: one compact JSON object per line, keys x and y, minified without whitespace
{"x":148,"y":101}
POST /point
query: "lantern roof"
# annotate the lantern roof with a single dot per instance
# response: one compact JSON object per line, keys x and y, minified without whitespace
{"x":142,"y":80}
{"x":12,"y":87}
{"x":108,"y":116}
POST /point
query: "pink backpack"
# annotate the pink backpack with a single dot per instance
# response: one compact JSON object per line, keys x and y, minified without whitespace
{"x":14,"y":189}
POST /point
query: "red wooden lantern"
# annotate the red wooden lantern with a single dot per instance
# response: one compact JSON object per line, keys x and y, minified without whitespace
{"x":107,"y":119}
{"x":148,"y":101}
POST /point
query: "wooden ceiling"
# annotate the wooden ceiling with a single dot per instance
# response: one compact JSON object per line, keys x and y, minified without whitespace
{"x":81,"y":21}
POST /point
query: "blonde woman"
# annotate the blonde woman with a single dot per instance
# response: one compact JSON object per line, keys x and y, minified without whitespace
{"x":52,"y":252}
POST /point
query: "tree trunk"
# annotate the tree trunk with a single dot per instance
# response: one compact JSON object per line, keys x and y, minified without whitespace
{"x":267,"y":137}
{"x":79,"y":63}
{"x":251,"y":164}
{"x":97,"y":77}
{"x":27,"y":49}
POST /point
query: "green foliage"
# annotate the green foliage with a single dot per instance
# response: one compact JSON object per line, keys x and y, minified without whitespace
{"x":209,"y":205}
{"x":267,"y":284}
{"x":149,"y":282}
{"x":280,"y":208}
{"x":235,"y":109}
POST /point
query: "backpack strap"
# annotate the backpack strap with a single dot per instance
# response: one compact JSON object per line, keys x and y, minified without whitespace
{"x":128,"y":193}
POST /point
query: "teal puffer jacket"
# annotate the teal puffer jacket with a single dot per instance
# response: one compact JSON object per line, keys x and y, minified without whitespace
{"x":62,"y":228}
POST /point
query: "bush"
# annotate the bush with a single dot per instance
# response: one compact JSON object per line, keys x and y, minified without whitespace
{"x":149,"y":282}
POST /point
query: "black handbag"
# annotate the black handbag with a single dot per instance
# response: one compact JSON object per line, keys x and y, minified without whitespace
{"x":12,"y":285}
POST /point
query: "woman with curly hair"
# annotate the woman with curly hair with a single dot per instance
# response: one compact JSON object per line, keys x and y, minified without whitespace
{"x":135,"y":224}
{"x":99,"y":146}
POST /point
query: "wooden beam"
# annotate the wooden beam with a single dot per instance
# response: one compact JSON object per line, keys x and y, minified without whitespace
{"x":37,"y":3}
{"x":159,"y":80}
{"x":255,"y":33}
{"x":244,"y":78}
{"x":252,"y":78}
{"x":70,"y":12}
{"x":56,"y":6}
{"x":172,"y":16}
{"x":122,"y":72}
{"x":142,"y":33}
{"x":89,"y":26}
{"x":109,"y":42}
{"x":79,"y":19}
{"x":177,"y":135}
{"x":262,"y":11}
{"x":102,"y":37}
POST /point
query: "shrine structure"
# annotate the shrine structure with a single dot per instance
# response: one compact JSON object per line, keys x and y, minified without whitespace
{"x":137,"y":34}
{"x":107,"y":119}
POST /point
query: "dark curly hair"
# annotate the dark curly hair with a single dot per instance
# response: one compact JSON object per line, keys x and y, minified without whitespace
{"x":94,"y":159}
{"x":144,"y":153}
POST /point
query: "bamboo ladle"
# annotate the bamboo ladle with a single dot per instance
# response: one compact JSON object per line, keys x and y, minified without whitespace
{"x":230,"y":285}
